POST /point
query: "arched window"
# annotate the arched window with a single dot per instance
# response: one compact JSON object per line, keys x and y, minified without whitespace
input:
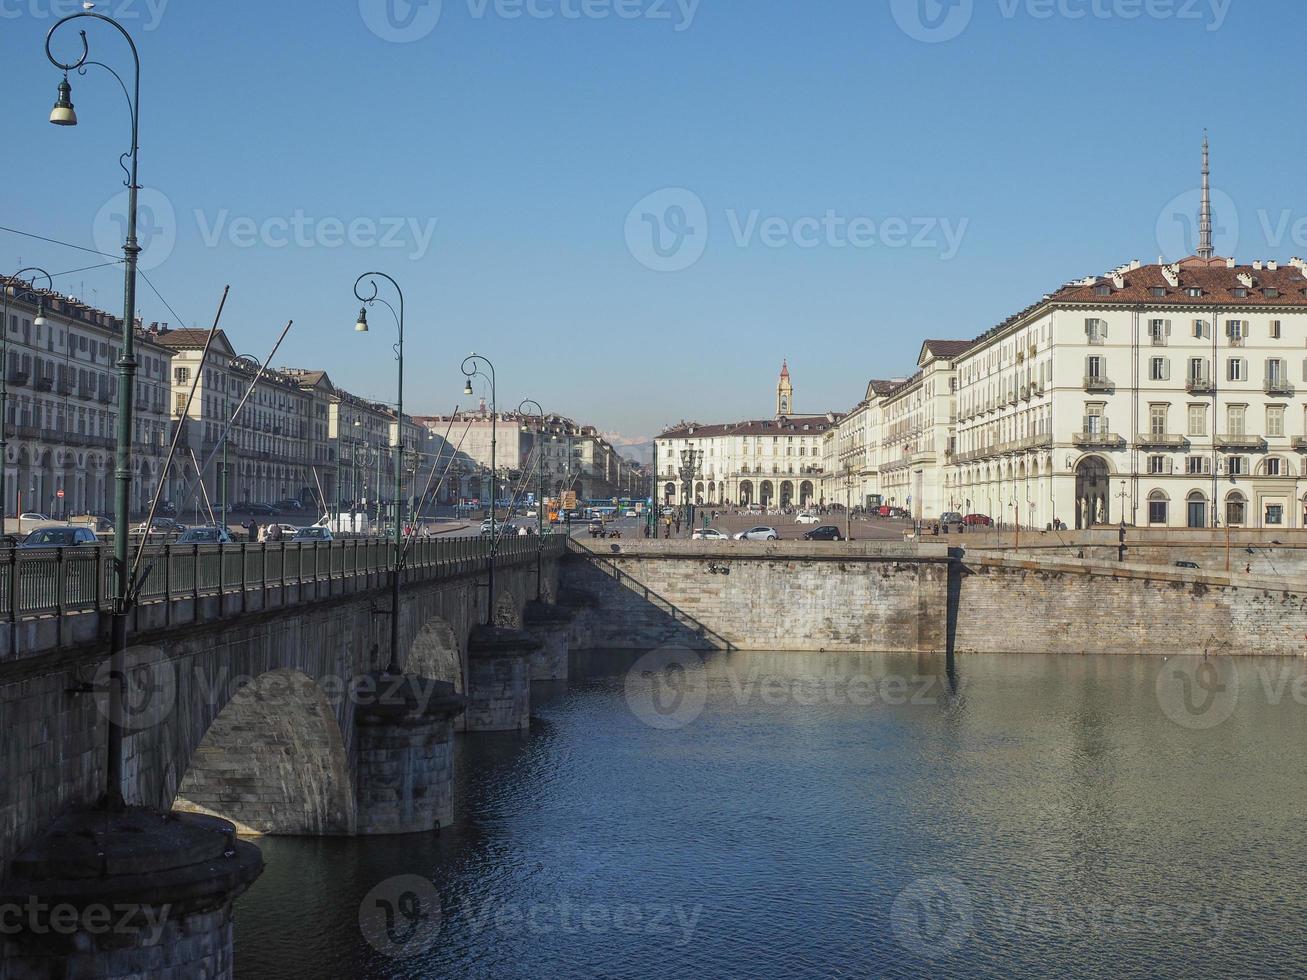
{"x":1158,"y":506}
{"x":1196,"y":509}
{"x":1236,"y":508}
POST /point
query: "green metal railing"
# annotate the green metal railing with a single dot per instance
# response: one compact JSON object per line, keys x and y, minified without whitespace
{"x":68,"y":580}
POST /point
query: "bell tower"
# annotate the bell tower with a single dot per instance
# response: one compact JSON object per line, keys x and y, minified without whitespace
{"x":784,"y":392}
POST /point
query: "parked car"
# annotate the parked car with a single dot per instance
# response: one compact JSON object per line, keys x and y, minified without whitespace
{"x":900,"y":512}
{"x":951,"y":517}
{"x":708,"y":534}
{"x":631,"y":513}
{"x":806,"y":518}
{"x":759,"y":534}
{"x":100,"y":525}
{"x":204,"y":535}
{"x":315,"y":533}
{"x":33,"y":516}
{"x":290,"y":504}
{"x":1186,"y":564}
{"x":60,"y":537}
{"x":978,"y":520}
{"x":827,"y":532}
{"x":260,"y":510}
{"x":161,"y":525}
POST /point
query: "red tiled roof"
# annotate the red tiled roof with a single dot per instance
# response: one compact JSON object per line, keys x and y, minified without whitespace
{"x":1217,"y":281}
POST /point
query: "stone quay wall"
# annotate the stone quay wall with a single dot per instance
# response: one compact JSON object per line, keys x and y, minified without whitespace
{"x":919,"y":597}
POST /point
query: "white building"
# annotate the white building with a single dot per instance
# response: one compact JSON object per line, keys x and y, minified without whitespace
{"x":776,"y":462}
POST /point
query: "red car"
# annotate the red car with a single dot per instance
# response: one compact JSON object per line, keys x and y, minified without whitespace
{"x":978,"y":520}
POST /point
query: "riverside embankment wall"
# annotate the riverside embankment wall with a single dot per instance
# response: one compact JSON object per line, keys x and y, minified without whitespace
{"x":867,"y":597}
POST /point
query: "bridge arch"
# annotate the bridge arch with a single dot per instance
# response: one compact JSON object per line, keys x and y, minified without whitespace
{"x":437,"y":653}
{"x":273,"y":761}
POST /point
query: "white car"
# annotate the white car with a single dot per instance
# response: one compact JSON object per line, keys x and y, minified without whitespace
{"x":33,"y":517}
{"x":806,"y":518}
{"x":708,"y":534}
{"x":758,"y":534}
{"x":311,"y":534}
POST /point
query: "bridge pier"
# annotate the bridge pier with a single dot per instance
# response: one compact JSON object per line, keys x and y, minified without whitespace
{"x":552,"y":626}
{"x":405,"y":739}
{"x":133,"y":893}
{"x":499,"y":679}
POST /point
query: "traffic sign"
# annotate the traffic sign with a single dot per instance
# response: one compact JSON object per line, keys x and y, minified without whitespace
{"x":59,"y":494}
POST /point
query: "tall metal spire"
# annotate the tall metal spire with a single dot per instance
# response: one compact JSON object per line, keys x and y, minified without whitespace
{"x":1205,"y":249}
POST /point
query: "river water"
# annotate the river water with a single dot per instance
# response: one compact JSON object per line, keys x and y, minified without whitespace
{"x":804,"y":815}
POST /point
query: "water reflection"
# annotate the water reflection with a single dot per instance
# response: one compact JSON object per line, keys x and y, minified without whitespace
{"x":843,"y":815}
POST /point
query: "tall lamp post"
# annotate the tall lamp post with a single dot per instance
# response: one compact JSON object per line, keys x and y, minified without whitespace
{"x":38,"y":322}
{"x":540,"y":491}
{"x":63,"y":114}
{"x":471,"y":369}
{"x":362,"y":327}
{"x":691,"y":464}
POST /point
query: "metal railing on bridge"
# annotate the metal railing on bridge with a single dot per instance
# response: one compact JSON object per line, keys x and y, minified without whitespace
{"x":69,"y":580}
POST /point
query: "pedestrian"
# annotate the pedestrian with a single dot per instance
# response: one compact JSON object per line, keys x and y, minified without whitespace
{"x":262,"y":532}
{"x":274,"y":532}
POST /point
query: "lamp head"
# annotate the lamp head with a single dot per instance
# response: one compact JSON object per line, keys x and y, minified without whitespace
{"x":63,"y":113}
{"x":39,"y":320}
{"x":362,"y":325}
{"x":467,"y":387}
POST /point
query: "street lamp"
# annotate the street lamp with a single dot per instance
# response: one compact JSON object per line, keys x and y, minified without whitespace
{"x":361,"y":326}
{"x":39,"y":321}
{"x":691,"y":464}
{"x":124,"y":597}
{"x":474,"y":359}
{"x":540,"y":490}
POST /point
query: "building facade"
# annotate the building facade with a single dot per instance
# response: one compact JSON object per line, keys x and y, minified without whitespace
{"x":776,"y":462}
{"x":61,"y":411}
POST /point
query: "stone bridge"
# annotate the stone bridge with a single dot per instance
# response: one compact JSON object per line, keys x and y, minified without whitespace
{"x":254,"y":687}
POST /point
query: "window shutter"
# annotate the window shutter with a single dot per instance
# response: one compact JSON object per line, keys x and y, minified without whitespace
{"x":1170,"y":465}
{"x":1168,"y":328}
{"x":1166,"y":369}
{"x":1243,"y":369}
{"x":1229,"y":328}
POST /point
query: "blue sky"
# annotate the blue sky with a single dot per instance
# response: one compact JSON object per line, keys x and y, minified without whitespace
{"x":638,"y":216}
